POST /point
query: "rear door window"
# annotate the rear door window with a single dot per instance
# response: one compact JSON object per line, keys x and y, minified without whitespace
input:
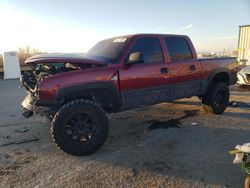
{"x":178,"y":48}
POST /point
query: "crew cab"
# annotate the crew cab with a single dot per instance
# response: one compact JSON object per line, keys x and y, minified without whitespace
{"x":76,"y":91}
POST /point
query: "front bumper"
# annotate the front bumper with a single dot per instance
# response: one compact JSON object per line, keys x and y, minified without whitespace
{"x":28,"y":102}
{"x":31,"y":104}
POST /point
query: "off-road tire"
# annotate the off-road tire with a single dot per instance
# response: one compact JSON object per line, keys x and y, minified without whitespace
{"x":49,"y":118}
{"x":66,"y":113}
{"x":216,"y":98}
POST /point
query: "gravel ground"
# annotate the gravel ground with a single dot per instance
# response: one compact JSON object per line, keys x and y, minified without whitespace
{"x":168,"y":145}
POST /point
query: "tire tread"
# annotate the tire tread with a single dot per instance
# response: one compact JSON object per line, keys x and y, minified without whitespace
{"x":62,"y":110}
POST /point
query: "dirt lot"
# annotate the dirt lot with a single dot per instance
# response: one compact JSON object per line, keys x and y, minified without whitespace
{"x":168,"y":145}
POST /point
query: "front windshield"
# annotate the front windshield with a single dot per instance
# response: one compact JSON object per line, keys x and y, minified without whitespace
{"x":107,"y":50}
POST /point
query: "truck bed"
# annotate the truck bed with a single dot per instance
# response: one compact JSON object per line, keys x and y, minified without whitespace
{"x":225,"y":64}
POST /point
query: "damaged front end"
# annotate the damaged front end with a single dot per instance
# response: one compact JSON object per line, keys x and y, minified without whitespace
{"x":27,"y":105}
{"x":32,"y":104}
{"x":31,"y":80}
{"x":44,"y":66}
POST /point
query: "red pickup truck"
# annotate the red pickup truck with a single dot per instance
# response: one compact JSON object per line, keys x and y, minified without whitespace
{"x":120,"y":73}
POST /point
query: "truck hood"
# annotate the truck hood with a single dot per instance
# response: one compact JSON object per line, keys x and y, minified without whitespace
{"x":61,"y":58}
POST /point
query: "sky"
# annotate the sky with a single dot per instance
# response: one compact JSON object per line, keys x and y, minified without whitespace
{"x":76,"y":25}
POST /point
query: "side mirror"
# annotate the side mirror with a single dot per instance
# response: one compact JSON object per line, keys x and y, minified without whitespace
{"x":135,"y":58}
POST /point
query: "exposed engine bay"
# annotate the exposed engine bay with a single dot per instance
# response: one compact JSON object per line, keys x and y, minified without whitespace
{"x":31,"y":79}
{"x":44,"y":66}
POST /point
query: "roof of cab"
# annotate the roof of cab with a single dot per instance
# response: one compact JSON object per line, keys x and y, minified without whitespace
{"x":147,"y":35}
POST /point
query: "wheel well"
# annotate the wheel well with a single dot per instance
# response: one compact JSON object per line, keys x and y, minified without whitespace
{"x":102,"y":97}
{"x":221,"y":77}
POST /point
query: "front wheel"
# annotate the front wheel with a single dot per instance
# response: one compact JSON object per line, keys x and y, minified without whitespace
{"x":217,"y":98}
{"x":80,"y":127}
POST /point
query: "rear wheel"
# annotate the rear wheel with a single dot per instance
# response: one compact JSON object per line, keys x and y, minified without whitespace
{"x":217,"y":98}
{"x":80,"y":127}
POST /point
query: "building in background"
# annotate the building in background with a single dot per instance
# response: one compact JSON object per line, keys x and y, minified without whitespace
{"x":244,"y":55}
{"x":244,"y":44}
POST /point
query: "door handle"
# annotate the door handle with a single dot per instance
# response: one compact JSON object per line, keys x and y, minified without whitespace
{"x":164,"y":70}
{"x":192,"y":67}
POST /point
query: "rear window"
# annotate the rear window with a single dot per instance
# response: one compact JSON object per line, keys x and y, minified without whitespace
{"x":178,"y":48}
